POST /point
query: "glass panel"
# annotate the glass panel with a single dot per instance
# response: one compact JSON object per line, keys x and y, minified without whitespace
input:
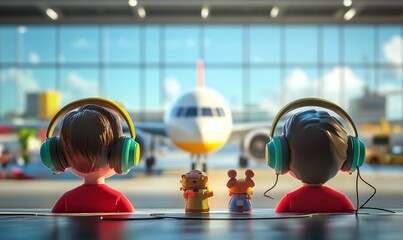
{"x":265,"y":44}
{"x":359,"y":44}
{"x":8,"y":43}
{"x":16,"y":84}
{"x":39,"y":44}
{"x":342,"y":84}
{"x":299,"y":83}
{"x":79,"y":83}
{"x":331,"y":44}
{"x":153,"y":89}
{"x":301,"y":44}
{"x":122,"y":44}
{"x":220,"y":112}
{"x":123,"y":86}
{"x":177,"y":81}
{"x":223,"y":44}
{"x":265,"y":92}
{"x":79,"y":44}
{"x":181,"y":44}
{"x":228,"y":82}
{"x":152,"y":44}
{"x":390,"y":45}
{"x":391,"y":86}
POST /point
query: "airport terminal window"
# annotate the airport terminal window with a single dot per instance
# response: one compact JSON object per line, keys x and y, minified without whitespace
{"x":38,"y":45}
{"x":265,"y":89}
{"x":359,"y":44}
{"x":265,"y":42}
{"x":8,"y":43}
{"x":298,"y":50}
{"x":207,"y":112}
{"x":331,"y":44}
{"x":152,"y":46}
{"x":79,"y":44}
{"x":223,"y":44}
{"x":390,"y":47}
{"x":181,"y":44}
{"x":191,"y":112}
{"x":229,"y":79}
{"x":123,"y":86}
{"x":256,"y":68}
{"x":79,"y":83}
{"x":122,"y":44}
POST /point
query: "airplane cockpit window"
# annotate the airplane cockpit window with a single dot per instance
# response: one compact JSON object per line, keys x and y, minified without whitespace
{"x":191,"y":112}
{"x":220,"y":112}
{"x":208,"y":112}
{"x":179,"y":111}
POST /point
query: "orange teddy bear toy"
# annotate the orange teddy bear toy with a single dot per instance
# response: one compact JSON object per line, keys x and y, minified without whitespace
{"x":196,"y":191}
{"x":241,"y":191}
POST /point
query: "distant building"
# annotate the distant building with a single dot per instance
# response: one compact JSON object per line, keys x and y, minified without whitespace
{"x":369,"y":108}
{"x":42,"y":105}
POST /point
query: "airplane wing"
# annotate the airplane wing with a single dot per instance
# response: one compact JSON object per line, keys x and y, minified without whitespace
{"x":157,"y":128}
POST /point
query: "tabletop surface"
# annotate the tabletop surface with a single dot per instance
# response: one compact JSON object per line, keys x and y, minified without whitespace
{"x":175,"y":224}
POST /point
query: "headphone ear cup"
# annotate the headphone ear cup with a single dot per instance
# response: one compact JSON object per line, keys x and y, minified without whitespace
{"x":52,"y":156}
{"x":278,"y":155}
{"x":125,"y":155}
{"x":355,"y":154}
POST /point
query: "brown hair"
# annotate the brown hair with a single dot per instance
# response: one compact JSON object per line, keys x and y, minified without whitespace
{"x":318,"y":145}
{"x":87,"y":135}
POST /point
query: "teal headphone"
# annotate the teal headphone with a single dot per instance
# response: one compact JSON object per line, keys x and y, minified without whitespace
{"x":277,"y":150}
{"x":125,"y":154}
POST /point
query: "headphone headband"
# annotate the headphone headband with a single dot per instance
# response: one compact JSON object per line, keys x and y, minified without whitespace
{"x":317,"y":102}
{"x":103,"y":102}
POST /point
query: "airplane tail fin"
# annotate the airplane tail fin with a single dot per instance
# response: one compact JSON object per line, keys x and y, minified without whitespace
{"x":200,"y":73}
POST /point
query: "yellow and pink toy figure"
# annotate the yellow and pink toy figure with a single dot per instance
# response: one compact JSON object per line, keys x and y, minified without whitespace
{"x":196,"y":191}
{"x":241,"y":191}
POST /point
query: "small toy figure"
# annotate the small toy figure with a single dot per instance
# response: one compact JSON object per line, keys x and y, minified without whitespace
{"x":241,"y":191}
{"x":314,"y":146}
{"x":196,"y":191}
{"x":92,"y":146}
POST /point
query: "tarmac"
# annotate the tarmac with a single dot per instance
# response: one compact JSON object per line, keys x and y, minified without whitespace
{"x":161,"y":189}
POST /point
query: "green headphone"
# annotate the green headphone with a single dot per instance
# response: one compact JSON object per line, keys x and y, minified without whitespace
{"x":125,"y":154}
{"x":277,"y":150}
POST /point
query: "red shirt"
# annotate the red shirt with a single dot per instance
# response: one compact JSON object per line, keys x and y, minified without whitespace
{"x":314,"y":200}
{"x":89,"y":198}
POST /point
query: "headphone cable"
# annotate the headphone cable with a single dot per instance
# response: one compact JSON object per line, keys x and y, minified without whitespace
{"x":268,"y":190}
{"x":358,"y":207}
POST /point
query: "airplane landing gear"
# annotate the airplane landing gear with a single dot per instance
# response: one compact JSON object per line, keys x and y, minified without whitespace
{"x":243,"y":161}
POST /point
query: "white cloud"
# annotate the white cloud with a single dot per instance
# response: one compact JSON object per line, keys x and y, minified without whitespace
{"x":172,"y":90}
{"x":190,"y":42}
{"x":81,"y":43}
{"x":393,"y":50}
{"x":34,"y":58}
{"x":24,"y":83}
{"x":299,"y":85}
{"x":78,"y":87}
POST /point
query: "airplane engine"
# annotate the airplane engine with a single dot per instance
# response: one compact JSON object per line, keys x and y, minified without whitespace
{"x":254,"y":144}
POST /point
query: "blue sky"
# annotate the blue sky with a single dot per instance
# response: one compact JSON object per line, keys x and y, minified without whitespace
{"x":264,"y":66}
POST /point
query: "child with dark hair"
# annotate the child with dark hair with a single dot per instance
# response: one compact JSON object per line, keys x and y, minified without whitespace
{"x":87,"y":139}
{"x":318,"y":149}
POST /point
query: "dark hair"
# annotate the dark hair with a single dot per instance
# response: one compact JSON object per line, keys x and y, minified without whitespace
{"x":318,"y":145}
{"x":87,"y":135}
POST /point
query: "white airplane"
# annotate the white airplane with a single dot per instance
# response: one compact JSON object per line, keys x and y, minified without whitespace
{"x":200,"y":122}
